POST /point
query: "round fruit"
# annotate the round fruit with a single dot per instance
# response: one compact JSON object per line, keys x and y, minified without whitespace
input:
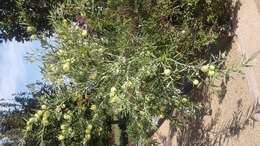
{"x":61,"y":53}
{"x":67,"y":117}
{"x":33,"y":37}
{"x":37,"y":116}
{"x":88,"y":137}
{"x":93,"y":107}
{"x":39,"y":113}
{"x":66,"y":67}
{"x":211,"y":73}
{"x":63,"y":127}
{"x":113,"y":92}
{"x":113,"y":89}
{"x":46,"y":114}
{"x":113,"y":100}
{"x":161,"y":116}
{"x":84,"y":32}
{"x":204,"y":68}
{"x":64,"y":21}
{"x":44,"y":107}
{"x":87,"y":131}
{"x":142,"y":113}
{"x":89,"y":127}
{"x":61,"y":137}
{"x":184,"y":100}
{"x":45,"y":122}
{"x":167,"y":72}
{"x":195,"y":82}
{"x":30,"y":29}
{"x":212,"y":67}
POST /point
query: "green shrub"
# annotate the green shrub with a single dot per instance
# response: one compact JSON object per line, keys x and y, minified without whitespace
{"x":128,"y":63}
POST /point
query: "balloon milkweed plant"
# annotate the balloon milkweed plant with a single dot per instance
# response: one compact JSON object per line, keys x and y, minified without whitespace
{"x":125,"y":64}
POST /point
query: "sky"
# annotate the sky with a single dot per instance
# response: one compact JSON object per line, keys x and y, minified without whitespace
{"x":15,"y":71}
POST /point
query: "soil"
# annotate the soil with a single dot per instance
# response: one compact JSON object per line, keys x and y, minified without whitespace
{"x":233,"y":121}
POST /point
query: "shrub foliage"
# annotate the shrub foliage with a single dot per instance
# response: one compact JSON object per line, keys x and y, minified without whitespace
{"x":126,"y":64}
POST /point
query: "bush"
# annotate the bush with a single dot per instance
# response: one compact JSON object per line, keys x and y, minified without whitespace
{"x":127,"y":63}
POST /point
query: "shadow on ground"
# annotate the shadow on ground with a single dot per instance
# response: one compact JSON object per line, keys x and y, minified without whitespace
{"x":196,"y":133}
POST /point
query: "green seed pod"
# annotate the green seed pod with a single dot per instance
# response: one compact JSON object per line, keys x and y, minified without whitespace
{"x":162,"y":116}
{"x":33,"y":37}
{"x":30,"y":29}
{"x":61,"y":137}
{"x":63,"y":127}
{"x":66,"y":67}
{"x":195,"y":82}
{"x":211,"y":73}
{"x":93,"y":107}
{"x":167,"y":72}
{"x":84,"y":32}
{"x":44,"y":107}
{"x":204,"y":68}
{"x":212,"y":67}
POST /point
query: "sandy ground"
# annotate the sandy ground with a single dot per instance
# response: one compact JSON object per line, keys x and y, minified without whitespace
{"x":248,"y":44}
{"x":233,"y":121}
{"x":258,"y":5}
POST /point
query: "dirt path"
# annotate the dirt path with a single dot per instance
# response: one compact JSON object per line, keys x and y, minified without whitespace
{"x":232,"y":122}
{"x":258,"y":5}
{"x":248,"y":37}
{"x":244,"y":131}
